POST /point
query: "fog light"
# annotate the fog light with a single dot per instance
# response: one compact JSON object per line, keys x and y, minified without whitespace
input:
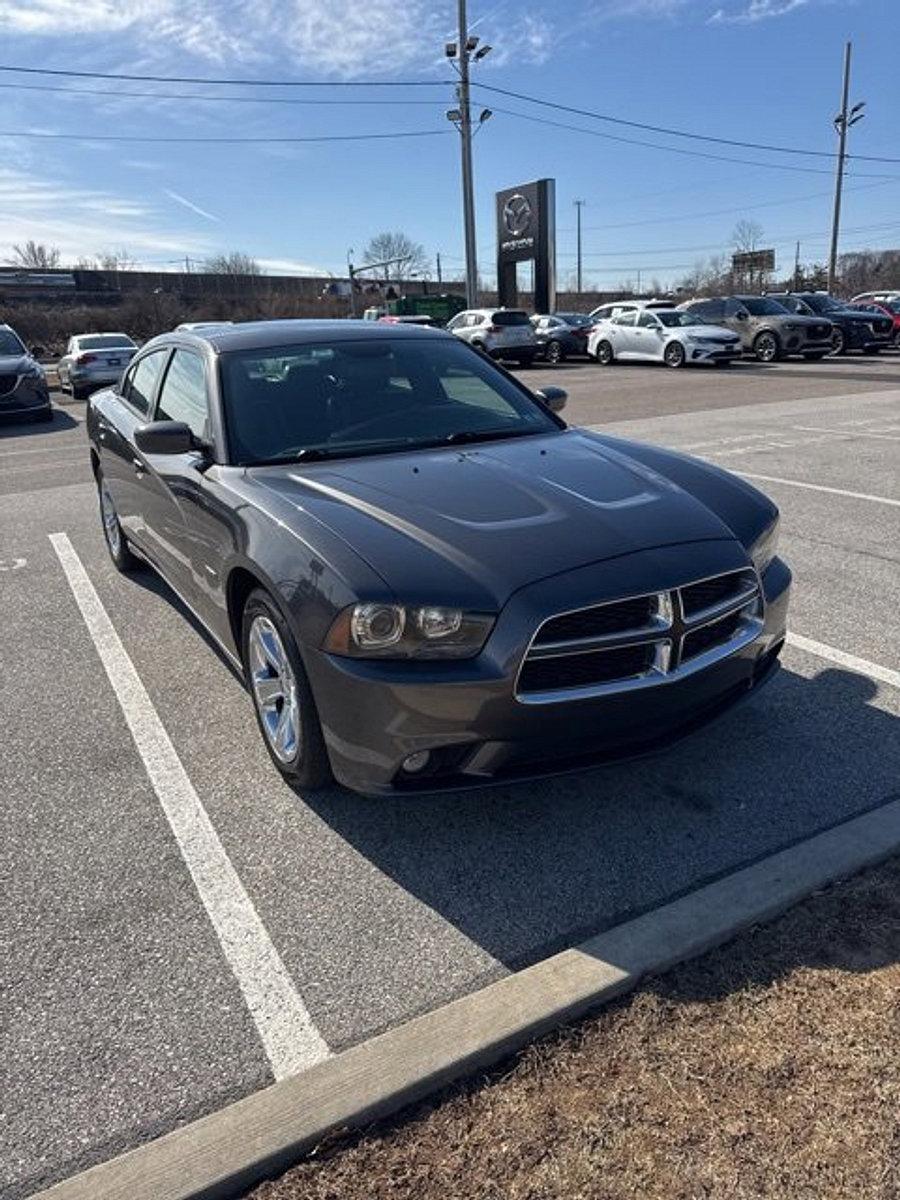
{"x":414,"y":763}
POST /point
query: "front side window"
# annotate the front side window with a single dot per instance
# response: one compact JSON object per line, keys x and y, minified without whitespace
{"x":183,"y":394}
{"x":647,"y":321}
{"x":763,"y":306}
{"x":352,"y":398}
{"x":140,"y":382}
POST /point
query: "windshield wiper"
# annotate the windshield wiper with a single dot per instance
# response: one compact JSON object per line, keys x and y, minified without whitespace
{"x":485,"y":435}
{"x":312,"y":454}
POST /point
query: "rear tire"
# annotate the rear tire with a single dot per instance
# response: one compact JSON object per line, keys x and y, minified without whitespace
{"x":604,"y":354}
{"x":555,"y":353}
{"x":766,"y":347}
{"x":282,"y":698}
{"x":78,"y":393}
{"x":116,"y":543}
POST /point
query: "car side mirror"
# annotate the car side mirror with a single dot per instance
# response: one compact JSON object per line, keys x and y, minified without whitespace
{"x":165,"y":437}
{"x":554,"y":398}
{"x":36,"y":351}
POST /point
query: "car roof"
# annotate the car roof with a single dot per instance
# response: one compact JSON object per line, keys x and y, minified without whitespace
{"x":257,"y":335}
{"x":104,"y":333}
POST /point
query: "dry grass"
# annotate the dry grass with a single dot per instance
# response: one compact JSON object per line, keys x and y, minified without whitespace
{"x":769,"y":1068}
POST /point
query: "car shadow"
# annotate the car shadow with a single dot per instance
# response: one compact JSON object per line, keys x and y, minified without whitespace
{"x":524,"y":871}
{"x":30,"y":428}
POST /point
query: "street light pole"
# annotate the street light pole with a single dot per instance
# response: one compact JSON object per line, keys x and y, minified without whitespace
{"x":842,"y":123}
{"x":579,"y":205}
{"x":468,"y":184}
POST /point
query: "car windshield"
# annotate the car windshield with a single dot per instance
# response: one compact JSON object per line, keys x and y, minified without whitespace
{"x":105,"y":341}
{"x":823,"y":304}
{"x":762,"y":306}
{"x":675,"y":318}
{"x":9,"y":343}
{"x":348,"y":398}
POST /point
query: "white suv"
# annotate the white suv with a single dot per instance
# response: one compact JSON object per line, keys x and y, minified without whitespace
{"x":499,"y":332}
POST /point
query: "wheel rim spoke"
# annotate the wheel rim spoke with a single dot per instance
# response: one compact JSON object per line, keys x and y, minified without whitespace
{"x":274,"y":689}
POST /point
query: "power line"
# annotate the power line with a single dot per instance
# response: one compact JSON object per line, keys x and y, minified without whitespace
{"x":115,"y":94}
{"x":134,"y":137}
{"x":345,"y":83}
{"x":682,"y":133}
{"x":612,"y":137}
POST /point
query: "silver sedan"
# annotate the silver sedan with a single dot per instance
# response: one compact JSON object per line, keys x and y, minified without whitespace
{"x":94,"y":360}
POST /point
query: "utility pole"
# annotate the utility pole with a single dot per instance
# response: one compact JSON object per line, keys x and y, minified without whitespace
{"x":438,"y":263}
{"x":842,"y":123}
{"x":462,"y":53}
{"x":579,"y":205}
{"x":797,"y":268}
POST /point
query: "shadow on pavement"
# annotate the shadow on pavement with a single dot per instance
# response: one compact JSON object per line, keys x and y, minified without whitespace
{"x":523,"y":871}
{"x":16,"y":429}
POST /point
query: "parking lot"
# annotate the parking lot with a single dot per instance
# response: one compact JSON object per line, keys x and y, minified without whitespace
{"x":125,"y":1004}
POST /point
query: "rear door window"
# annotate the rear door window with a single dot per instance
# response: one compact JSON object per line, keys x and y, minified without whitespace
{"x":511,"y":318}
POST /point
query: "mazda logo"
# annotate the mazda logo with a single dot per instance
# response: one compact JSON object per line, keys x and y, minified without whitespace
{"x":516,"y":215}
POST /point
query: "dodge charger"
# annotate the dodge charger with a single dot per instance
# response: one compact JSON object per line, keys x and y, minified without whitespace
{"x":425,"y":577}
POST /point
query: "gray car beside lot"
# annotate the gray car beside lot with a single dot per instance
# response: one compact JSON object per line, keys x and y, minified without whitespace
{"x":501,"y":333}
{"x":767,"y":329}
{"x":93,"y":360}
{"x":23,"y":384}
{"x":425,"y":577}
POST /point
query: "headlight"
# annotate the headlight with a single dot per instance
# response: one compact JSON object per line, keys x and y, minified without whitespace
{"x":792,"y":326}
{"x":399,"y":631}
{"x":33,"y":370}
{"x":765,"y":548}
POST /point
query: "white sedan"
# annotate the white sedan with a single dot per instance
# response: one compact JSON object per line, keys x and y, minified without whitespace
{"x":661,"y":335}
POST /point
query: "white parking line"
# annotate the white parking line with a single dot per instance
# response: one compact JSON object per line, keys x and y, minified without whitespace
{"x":861,"y":666}
{"x":289,"y":1037}
{"x":820,"y":487}
{"x":849,"y":433}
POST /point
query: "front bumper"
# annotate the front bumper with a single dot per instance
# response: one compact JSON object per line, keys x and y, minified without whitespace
{"x":27,"y":398}
{"x":375,"y":714}
{"x":720,"y":353}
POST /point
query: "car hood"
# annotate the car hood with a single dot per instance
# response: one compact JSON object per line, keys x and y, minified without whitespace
{"x":471,"y":526}
{"x":15,"y":364}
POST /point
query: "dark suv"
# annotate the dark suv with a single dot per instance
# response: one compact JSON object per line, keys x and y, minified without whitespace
{"x":854,"y":328}
{"x":23,"y":384}
{"x":767,"y":329}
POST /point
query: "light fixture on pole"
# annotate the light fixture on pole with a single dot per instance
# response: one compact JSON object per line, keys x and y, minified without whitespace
{"x":462,"y":53}
{"x":842,"y":122}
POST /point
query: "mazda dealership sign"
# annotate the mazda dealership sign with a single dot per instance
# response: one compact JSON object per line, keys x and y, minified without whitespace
{"x":526,"y":231}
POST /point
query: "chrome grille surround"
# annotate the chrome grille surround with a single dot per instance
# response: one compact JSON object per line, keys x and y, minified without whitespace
{"x":675,"y":619}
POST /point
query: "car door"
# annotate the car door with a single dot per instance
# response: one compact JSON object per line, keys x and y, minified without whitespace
{"x":648,"y":337}
{"x":120,"y":461}
{"x":621,"y":331}
{"x":188,"y":534}
{"x":737,"y":318}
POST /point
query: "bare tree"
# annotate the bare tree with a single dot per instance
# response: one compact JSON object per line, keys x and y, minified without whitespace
{"x":35,"y":255}
{"x":234,"y":263}
{"x":746,"y":236}
{"x":387,"y":246}
{"x":115,"y":260}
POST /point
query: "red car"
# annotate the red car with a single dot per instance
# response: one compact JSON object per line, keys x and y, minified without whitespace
{"x":885,"y":308}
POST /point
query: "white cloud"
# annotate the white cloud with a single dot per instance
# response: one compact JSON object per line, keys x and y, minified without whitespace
{"x":289,"y":266}
{"x":756,"y":10}
{"x":195,"y":208}
{"x":81,"y":221}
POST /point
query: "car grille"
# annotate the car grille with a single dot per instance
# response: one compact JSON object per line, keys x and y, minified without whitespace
{"x":819,"y":332}
{"x":641,"y":640}
{"x":8,"y":384}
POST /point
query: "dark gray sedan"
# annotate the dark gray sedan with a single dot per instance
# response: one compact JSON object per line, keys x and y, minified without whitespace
{"x":425,"y":577}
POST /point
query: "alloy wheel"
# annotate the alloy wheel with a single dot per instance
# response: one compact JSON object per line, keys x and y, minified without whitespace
{"x":674,"y":354}
{"x":274,"y":689}
{"x":766,"y":347}
{"x":554,"y":352}
{"x":837,"y":341}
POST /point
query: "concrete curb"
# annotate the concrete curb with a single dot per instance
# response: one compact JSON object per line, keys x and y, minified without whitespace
{"x":225,"y":1153}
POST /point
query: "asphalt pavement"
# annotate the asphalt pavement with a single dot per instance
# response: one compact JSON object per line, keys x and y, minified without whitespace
{"x":120,"y":1012}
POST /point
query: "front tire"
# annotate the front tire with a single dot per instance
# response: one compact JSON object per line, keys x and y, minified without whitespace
{"x":673,"y":355}
{"x":282,"y":698}
{"x":116,"y":544}
{"x":766,"y":347}
{"x":555,"y":353}
{"x":604,"y":354}
{"x":838,"y":343}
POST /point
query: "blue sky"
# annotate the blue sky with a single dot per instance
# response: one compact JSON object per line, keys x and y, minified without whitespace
{"x":755,"y":70}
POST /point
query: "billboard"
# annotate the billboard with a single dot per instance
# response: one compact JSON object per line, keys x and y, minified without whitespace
{"x":526,"y":231}
{"x":747,"y":262}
